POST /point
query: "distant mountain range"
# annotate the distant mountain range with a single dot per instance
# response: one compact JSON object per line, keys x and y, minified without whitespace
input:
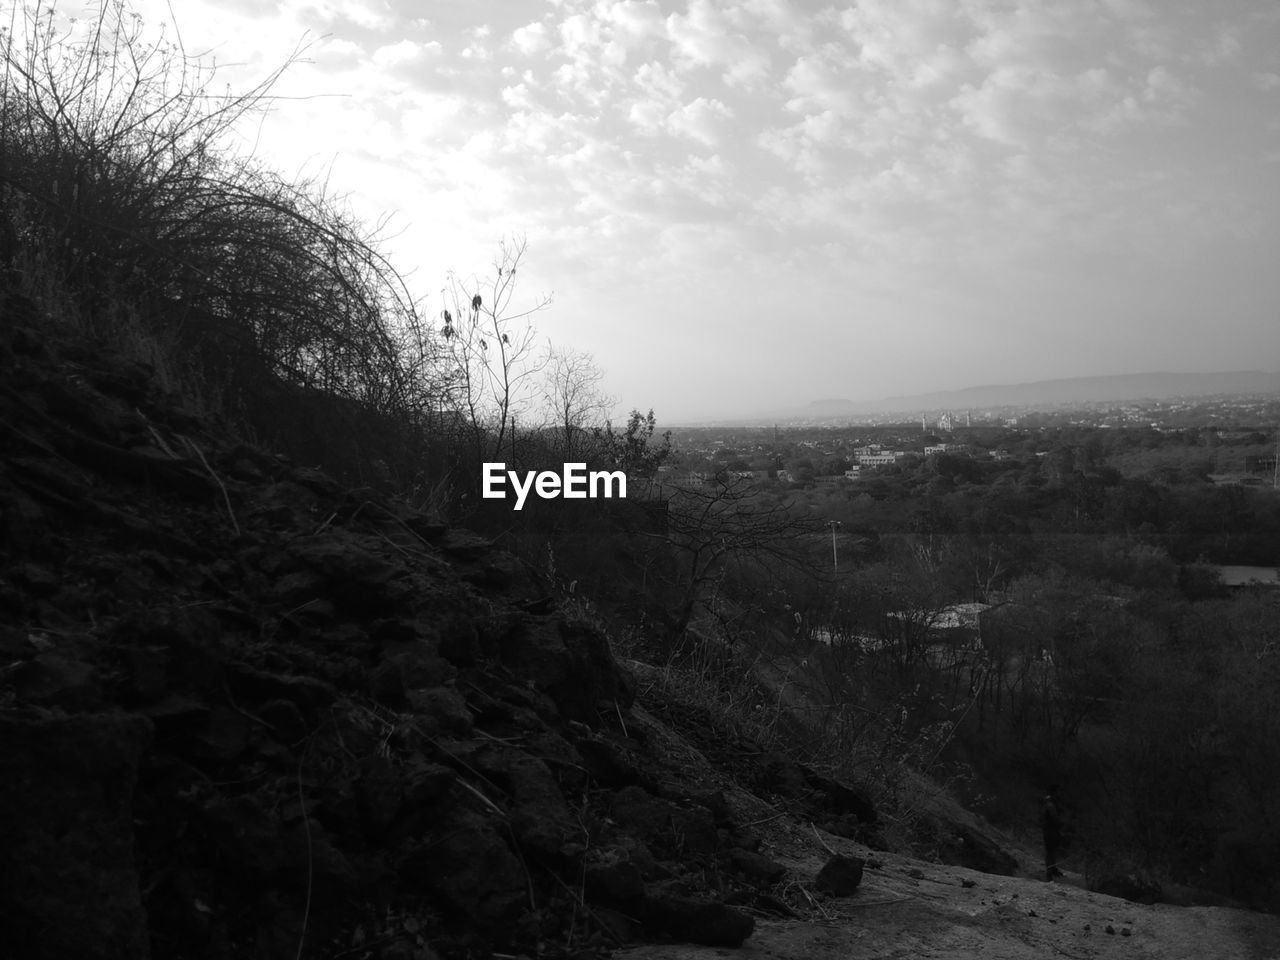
{"x":1108,"y":389}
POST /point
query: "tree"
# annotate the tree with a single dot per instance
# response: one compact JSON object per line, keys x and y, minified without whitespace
{"x":573,"y":398}
{"x":633,"y":450}
{"x":492,"y":350}
{"x":709,"y":528}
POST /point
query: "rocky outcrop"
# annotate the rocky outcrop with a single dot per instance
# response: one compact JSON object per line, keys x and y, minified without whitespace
{"x":245,"y":710}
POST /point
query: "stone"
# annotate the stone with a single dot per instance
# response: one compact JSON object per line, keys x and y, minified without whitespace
{"x":445,"y":708}
{"x":610,"y":876}
{"x":695,"y":920}
{"x":839,"y":876}
{"x":540,"y":819}
{"x":569,"y":661}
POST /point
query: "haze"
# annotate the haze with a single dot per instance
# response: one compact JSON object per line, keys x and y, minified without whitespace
{"x":744,"y":205}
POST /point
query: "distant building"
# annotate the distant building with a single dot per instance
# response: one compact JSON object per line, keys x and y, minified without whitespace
{"x":880,"y":459}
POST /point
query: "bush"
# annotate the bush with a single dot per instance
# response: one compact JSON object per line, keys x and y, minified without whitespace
{"x":125,"y":213}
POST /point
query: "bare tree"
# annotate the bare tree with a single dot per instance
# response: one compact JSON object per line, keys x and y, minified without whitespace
{"x":135,"y":214}
{"x":573,"y":398}
{"x":711,"y":527}
{"x":493,"y":350}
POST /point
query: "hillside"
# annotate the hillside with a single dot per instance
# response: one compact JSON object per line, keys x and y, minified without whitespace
{"x":249,"y":712}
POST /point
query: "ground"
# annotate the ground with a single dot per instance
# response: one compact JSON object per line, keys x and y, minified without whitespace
{"x":912,"y":909}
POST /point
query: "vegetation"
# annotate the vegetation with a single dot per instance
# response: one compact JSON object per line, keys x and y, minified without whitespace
{"x":1103,"y":652}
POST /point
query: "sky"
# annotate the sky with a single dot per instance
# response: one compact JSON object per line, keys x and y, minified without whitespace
{"x":739,"y":206}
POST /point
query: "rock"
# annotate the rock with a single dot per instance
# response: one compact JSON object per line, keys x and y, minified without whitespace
{"x":695,"y":920}
{"x":66,"y":836}
{"x":610,"y":876}
{"x":445,"y":708}
{"x":352,"y":574}
{"x":839,"y":876}
{"x":53,"y":680}
{"x":570,"y":662}
{"x":468,"y":866}
{"x":757,"y":867}
{"x":541,"y":820}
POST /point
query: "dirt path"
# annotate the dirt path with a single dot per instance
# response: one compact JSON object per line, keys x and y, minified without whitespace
{"x":911,"y":909}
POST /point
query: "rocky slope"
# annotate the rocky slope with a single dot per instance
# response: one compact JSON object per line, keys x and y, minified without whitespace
{"x":245,"y":712}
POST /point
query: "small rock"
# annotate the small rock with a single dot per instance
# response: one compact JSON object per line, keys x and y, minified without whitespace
{"x":839,"y":876}
{"x":1111,"y":930}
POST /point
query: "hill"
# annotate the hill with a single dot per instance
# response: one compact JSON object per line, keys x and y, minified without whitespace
{"x":1119,"y":387}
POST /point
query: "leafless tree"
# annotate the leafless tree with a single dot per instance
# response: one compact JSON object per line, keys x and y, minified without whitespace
{"x":723,"y":523}
{"x":573,"y":399}
{"x":493,"y":350}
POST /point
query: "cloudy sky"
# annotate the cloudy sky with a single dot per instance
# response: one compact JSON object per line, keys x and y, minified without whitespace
{"x":741,"y":205}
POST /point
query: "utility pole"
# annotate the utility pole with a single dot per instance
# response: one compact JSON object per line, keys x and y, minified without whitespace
{"x":835,"y":559}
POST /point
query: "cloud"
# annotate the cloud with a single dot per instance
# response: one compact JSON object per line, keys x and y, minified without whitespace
{"x":531,"y":39}
{"x":699,"y":120}
{"x":707,"y":37}
{"x":372,"y":15}
{"x":1223,"y":47}
{"x":404,"y":52}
